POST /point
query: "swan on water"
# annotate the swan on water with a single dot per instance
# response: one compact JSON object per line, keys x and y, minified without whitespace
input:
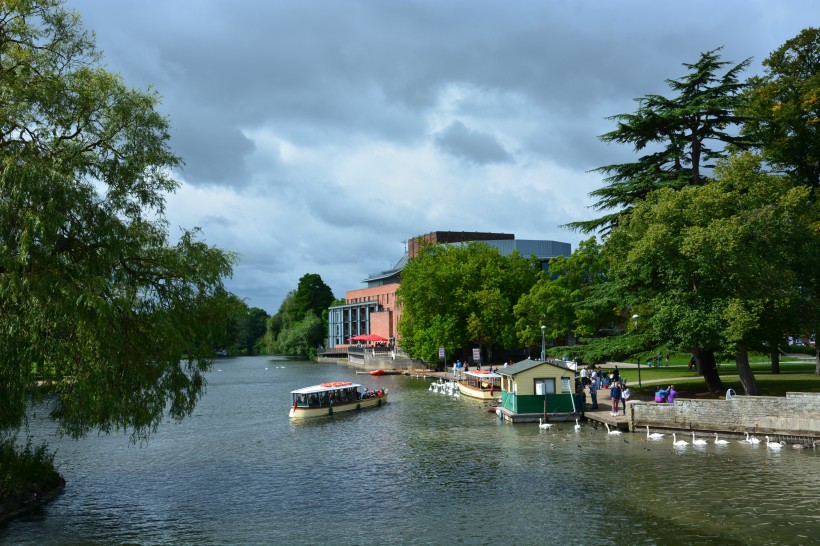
{"x":611,"y":431}
{"x":541,"y":424}
{"x":676,"y":442}
{"x":654,"y":435}
{"x":720,"y":442}
{"x":697,"y":441}
{"x":752,"y":439}
{"x":774,"y":445}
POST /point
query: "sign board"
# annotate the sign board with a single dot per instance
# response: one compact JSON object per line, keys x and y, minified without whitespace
{"x":477,"y":355}
{"x":441,"y":353}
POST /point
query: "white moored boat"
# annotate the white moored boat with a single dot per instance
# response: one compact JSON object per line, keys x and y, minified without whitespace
{"x":335,"y":397}
{"x":481,"y":384}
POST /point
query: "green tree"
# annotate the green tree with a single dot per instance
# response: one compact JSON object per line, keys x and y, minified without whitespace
{"x":457,"y":295}
{"x":300,"y":338}
{"x":312,"y":294}
{"x":784,"y":109}
{"x":714,"y":267}
{"x":569,"y":300}
{"x":94,"y":298}
{"x":784,"y":122}
{"x":251,"y":325}
{"x":681,"y":136}
{"x":295,"y":319}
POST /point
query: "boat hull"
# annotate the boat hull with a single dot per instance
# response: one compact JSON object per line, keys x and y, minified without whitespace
{"x":477,"y":392}
{"x":301,"y":412}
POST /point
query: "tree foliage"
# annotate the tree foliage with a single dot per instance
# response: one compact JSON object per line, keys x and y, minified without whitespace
{"x":716,"y":266}
{"x":784,"y":109}
{"x":94,"y":298}
{"x":300,"y":324}
{"x":568,"y":299}
{"x":457,"y":295}
{"x":681,"y":136}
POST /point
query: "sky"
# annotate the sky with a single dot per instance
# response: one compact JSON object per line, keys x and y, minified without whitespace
{"x":318,"y":136}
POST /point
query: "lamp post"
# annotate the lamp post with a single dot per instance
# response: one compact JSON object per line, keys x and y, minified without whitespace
{"x":543,"y":342}
{"x":635,"y":318}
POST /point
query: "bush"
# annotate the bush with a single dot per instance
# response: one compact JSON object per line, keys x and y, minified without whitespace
{"x":21,"y":467}
{"x":801,"y":349}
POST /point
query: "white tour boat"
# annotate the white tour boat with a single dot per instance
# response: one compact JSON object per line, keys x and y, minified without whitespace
{"x":481,"y":384}
{"x":335,"y":397}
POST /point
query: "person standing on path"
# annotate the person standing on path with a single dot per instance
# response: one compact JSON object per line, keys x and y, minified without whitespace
{"x":593,"y":393}
{"x":615,"y":397}
{"x":624,"y":395}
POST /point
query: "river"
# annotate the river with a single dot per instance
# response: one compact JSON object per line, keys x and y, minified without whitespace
{"x":424,"y":469}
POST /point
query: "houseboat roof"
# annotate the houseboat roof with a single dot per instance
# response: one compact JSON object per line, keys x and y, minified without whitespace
{"x":324,"y":387}
{"x":529,"y":364}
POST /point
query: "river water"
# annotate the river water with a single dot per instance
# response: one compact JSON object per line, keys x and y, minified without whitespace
{"x":424,"y":469}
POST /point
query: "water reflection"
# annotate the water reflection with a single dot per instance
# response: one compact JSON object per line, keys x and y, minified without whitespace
{"x":423,"y":469}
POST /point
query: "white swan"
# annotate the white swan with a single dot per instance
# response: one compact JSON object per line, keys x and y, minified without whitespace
{"x":612,"y":431}
{"x":774,"y":445}
{"x":542,"y":424}
{"x":676,"y":442}
{"x":752,"y":439}
{"x":720,"y":442}
{"x":697,"y":441}
{"x":654,"y":435}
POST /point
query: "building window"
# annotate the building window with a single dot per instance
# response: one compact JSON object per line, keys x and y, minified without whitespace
{"x":545,"y":386}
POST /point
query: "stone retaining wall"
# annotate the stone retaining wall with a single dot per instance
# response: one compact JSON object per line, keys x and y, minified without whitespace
{"x":795,"y":415}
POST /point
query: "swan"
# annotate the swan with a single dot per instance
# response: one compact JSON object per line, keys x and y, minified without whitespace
{"x":697,"y":441}
{"x":752,"y":439}
{"x":654,"y":435}
{"x":542,"y":424}
{"x":577,"y":425}
{"x":720,"y":442}
{"x":676,"y":442}
{"x":612,"y":431}
{"x":774,"y":445}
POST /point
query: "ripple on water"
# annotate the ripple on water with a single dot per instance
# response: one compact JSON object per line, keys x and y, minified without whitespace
{"x":424,"y":469}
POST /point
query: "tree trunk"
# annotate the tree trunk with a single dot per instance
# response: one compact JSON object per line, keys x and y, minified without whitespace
{"x":816,"y":360}
{"x":747,"y":377}
{"x":707,"y":367}
{"x":775,"y":360}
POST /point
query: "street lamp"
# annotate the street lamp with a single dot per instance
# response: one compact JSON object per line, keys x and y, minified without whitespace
{"x":635,"y":318}
{"x":543,"y":343}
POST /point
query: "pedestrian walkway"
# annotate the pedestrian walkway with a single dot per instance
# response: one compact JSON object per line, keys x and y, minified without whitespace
{"x":604,"y":412}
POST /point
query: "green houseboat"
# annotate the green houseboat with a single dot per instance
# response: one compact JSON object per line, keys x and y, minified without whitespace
{"x":533,"y":388}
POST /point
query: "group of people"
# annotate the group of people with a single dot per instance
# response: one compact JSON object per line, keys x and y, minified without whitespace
{"x":618,"y":396}
{"x":666,"y":396}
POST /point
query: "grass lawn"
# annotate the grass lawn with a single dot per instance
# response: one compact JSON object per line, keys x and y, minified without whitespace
{"x":795,"y":376}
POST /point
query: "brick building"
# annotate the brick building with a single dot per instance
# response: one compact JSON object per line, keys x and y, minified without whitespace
{"x":373,"y":310}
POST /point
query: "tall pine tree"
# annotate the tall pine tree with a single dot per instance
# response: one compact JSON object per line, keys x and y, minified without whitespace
{"x":682,"y":135}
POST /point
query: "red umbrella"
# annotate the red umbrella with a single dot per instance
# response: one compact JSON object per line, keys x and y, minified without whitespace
{"x":368,"y":337}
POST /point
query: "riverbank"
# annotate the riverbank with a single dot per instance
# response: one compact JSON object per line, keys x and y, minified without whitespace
{"x":33,"y":496}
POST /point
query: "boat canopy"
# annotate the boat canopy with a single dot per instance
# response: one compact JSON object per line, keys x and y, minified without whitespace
{"x":483,"y":374}
{"x":326,"y":387}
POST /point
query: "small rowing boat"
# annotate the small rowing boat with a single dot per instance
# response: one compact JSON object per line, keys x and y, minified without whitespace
{"x":334,"y":397}
{"x":376,"y":372}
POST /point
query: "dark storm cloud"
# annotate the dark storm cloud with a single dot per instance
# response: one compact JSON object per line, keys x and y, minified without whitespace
{"x":471,"y":145}
{"x":312,"y":126}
